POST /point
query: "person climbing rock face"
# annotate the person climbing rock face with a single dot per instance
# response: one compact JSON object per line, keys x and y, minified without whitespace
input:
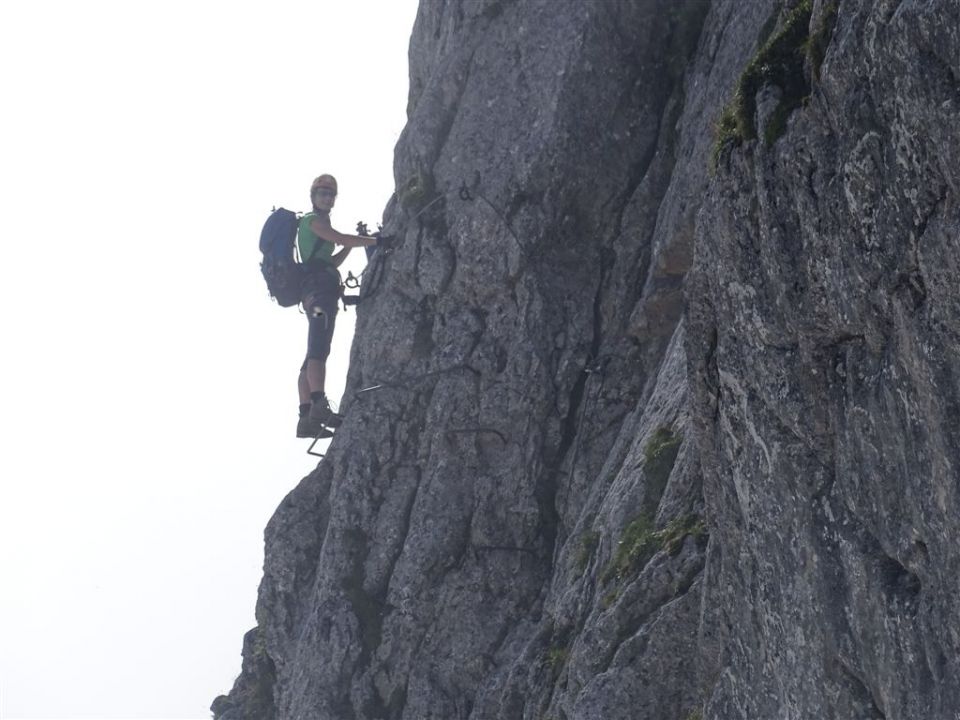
{"x":317,"y":243}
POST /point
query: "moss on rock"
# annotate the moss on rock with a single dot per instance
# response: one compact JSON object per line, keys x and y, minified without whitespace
{"x":415,"y":192}
{"x":779,"y":62}
{"x":636,"y":546}
{"x":641,"y":541}
{"x":588,"y":545}
{"x":659,"y":457}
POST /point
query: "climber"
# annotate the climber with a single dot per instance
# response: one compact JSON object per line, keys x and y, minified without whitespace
{"x":322,"y":288}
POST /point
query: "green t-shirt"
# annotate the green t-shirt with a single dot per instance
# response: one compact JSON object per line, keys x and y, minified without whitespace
{"x":307,"y":242}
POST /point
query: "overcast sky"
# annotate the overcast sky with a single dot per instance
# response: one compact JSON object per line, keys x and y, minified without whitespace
{"x":148,"y":383}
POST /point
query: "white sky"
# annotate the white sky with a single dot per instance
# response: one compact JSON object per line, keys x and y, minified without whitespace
{"x":148,"y":386}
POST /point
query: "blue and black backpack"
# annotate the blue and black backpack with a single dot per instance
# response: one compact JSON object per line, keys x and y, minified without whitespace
{"x":284,"y":275}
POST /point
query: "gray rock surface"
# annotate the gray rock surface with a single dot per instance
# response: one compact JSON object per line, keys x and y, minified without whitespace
{"x":823,"y":346}
{"x":648,"y":439}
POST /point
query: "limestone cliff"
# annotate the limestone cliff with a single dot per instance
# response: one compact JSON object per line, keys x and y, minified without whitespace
{"x":653,"y":409}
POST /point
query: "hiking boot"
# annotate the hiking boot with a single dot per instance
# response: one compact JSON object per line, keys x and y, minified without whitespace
{"x":307,"y":428}
{"x":321,"y":413}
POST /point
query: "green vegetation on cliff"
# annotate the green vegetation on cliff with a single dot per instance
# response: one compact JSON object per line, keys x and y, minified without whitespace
{"x":779,"y":62}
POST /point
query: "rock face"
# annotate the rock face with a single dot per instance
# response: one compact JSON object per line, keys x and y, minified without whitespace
{"x":653,"y":410}
{"x":823,"y":347}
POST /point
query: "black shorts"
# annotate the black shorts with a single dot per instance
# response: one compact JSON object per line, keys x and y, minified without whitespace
{"x":321,"y":303}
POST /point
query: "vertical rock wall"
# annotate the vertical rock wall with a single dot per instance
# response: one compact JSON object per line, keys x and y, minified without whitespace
{"x":824,"y":329}
{"x":562,"y":490}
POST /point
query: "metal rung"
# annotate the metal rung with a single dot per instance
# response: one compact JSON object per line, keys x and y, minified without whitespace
{"x":310,"y":449}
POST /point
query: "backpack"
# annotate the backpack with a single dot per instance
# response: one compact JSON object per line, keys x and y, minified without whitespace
{"x":284,"y":275}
